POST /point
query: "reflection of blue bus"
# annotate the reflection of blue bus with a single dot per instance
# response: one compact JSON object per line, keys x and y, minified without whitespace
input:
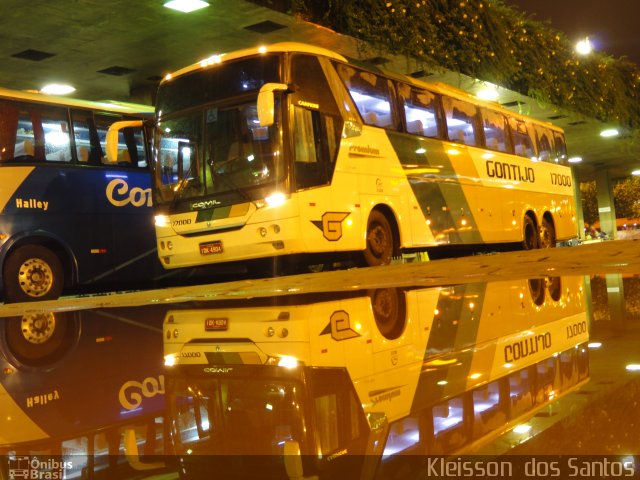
{"x":80,"y":389}
{"x":69,"y":217}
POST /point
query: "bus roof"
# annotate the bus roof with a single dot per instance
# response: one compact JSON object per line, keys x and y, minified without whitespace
{"x":437,"y":87}
{"x":106,"y":105}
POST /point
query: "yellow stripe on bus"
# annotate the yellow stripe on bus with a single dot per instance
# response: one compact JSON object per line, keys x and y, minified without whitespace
{"x":10,"y":181}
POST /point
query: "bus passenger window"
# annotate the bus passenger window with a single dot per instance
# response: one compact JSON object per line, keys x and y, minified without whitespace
{"x":522,"y":142}
{"x":371,"y":94}
{"x":494,"y":125}
{"x":420,"y":111}
{"x":560,"y":148}
{"x":57,"y":135}
{"x":461,"y":121}
{"x":545,"y":142}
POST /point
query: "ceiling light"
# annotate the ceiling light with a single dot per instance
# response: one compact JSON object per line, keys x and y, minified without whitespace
{"x":636,"y":173}
{"x":574,"y":159}
{"x":186,"y":6}
{"x":488,"y":93}
{"x":610,"y":132}
{"x":57,"y":89}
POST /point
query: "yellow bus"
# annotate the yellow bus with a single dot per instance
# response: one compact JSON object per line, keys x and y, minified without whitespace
{"x":347,"y":382}
{"x":292,"y":150}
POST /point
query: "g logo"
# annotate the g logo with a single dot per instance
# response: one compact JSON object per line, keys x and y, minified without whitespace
{"x":331,"y":225}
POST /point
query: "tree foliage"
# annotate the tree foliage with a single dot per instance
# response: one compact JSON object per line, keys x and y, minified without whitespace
{"x":492,"y":41}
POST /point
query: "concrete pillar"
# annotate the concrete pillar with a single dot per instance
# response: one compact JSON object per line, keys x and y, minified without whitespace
{"x":579,"y":211}
{"x":616,"y":300}
{"x":606,"y":208}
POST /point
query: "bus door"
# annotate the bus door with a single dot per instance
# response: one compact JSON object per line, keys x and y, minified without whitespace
{"x":316,"y":127}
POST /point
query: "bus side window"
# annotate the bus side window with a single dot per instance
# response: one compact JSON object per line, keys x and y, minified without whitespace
{"x":495,"y":135}
{"x":56,"y":134}
{"x":8,"y":130}
{"x":373,"y":96}
{"x":545,"y":142}
{"x":420,"y":111}
{"x":85,"y":135}
{"x":24,"y":148}
{"x":522,"y":142}
{"x":560,"y":148}
{"x":462,"y":121}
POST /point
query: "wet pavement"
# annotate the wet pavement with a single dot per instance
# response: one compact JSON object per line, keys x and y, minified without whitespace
{"x":527,"y":362}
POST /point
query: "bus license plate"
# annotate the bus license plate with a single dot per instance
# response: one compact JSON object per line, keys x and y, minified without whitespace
{"x":216,"y":324}
{"x":210,"y":248}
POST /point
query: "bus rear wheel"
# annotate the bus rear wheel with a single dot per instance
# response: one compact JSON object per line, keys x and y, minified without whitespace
{"x":530,"y":235}
{"x":547,"y":234}
{"x":381,"y":244}
{"x":32,"y":272}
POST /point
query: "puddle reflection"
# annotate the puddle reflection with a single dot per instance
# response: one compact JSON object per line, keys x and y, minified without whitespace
{"x":367,"y":384}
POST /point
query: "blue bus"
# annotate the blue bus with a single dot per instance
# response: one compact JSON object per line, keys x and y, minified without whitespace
{"x":69,"y":216}
{"x":82,"y":394}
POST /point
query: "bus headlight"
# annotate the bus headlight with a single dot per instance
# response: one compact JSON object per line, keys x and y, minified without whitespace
{"x":275,"y":200}
{"x":162,"y":221}
{"x":169,"y":360}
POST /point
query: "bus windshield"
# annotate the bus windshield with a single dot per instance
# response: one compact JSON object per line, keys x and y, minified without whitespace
{"x":208,"y":140}
{"x":236,"y":416}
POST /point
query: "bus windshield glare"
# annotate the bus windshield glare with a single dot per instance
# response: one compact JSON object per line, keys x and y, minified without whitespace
{"x":209,"y":140}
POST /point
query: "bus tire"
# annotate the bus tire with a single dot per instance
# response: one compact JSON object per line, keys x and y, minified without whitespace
{"x":32,"y":272}
{"x":381,"y":245}
{"x":529,"y":234}
{"x":389,"y":311}
{"x":554,"y":287}
{"x":41,"y":339}
{"x":546,"y":234}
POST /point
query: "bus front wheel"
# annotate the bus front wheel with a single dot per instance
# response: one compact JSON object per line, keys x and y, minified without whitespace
{"x":381,"y":245}
{"x":32,"y":272}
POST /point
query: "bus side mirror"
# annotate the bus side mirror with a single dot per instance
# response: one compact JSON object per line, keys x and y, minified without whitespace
{"x":112,"y":137}
{"x":266,"y":102}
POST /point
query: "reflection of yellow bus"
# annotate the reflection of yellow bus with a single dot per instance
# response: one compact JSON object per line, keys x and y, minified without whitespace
{"x":293,"y":149}
{"x":371,"y":375}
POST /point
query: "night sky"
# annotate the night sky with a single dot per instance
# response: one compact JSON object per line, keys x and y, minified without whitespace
{"x":613,"y":26}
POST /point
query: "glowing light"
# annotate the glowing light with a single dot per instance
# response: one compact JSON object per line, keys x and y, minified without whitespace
{"x":442,"y":382}
{"x":162,"y":221}
{"x":169,"y":360}
{"x":633,"y":367}
{"x":574,"y":160}
{"x":262,"y":49}
{"x":57,"y":89}
{"x":609,"y":132}
{"x":522,"y":429}
{"x":475,"y":376}
{"x":275,"y":200}
{"x":168,"y":76}
{"x":635,"y":173}
{"x":186,"y":6}
{"x":594,"y":345}
{"x":288,"y":362}
{"x":488,"y":92}
{"x":584,"y":46}
{"x":421,"y":150}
